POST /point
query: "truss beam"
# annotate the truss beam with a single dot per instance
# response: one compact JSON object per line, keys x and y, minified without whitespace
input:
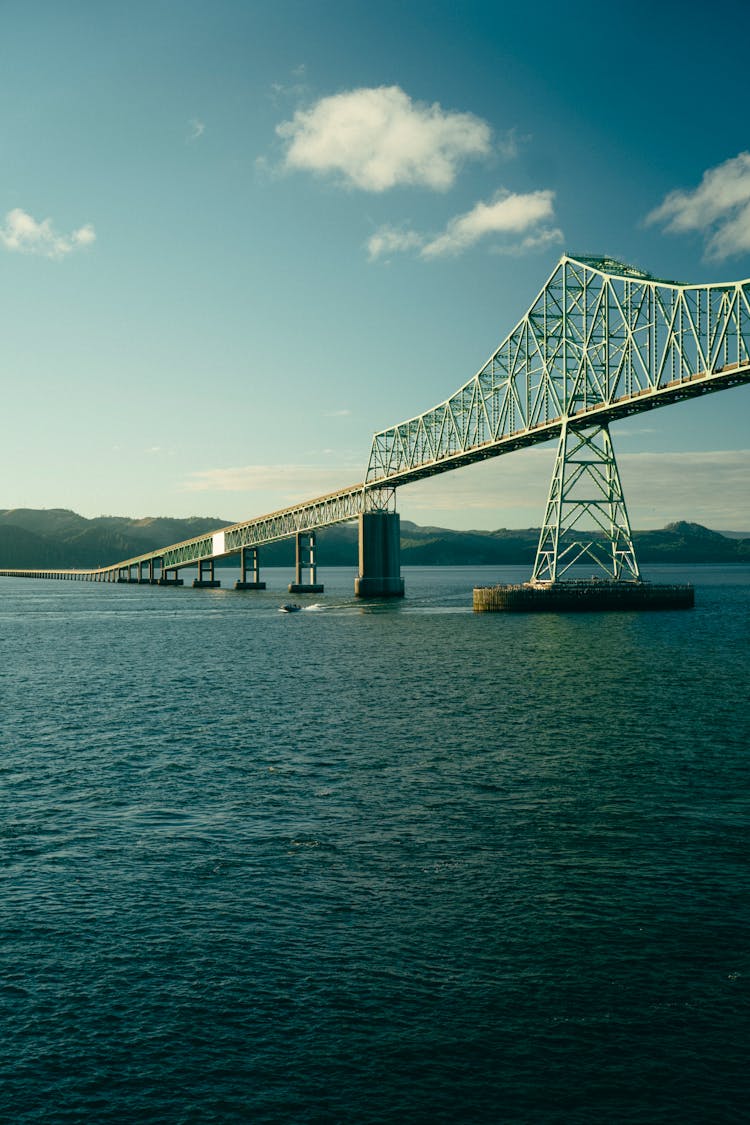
{"x":602,"y":341}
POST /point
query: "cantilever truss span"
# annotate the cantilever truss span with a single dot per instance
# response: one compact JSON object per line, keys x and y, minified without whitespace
{"x":602,"y":341}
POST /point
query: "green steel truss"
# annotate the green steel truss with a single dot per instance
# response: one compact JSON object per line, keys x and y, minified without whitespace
{"x":586,"y":520}
{"x":336,"y":507}
{"x":601,"y":341}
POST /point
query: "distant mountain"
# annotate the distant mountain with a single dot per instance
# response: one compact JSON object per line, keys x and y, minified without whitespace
{"x":61,"y":538}
{"x":57,"y":537}
{"x":689,"y":542}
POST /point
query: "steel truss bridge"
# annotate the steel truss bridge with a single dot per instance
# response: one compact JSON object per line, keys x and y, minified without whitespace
{"x":602,"y":341}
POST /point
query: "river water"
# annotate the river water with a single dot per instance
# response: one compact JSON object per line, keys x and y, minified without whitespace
{"x":372,"y":863}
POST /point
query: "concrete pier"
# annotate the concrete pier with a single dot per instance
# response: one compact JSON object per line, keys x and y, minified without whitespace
{"x":581,"y":597}
{"x":206,"y":579}
{"x":379,"y":556}
{"x":254,"y":583}
{"x":305,"y":541}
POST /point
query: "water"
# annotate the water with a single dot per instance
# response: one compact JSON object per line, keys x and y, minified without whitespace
{"x":386,"y":863}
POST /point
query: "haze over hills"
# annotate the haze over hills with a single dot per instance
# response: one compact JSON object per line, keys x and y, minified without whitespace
{"x":57,"y":537}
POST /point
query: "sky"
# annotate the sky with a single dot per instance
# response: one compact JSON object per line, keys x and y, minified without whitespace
{"x":238,"y":238}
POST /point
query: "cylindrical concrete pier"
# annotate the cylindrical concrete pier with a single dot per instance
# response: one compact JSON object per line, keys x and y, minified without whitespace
{"x":379,"y":556}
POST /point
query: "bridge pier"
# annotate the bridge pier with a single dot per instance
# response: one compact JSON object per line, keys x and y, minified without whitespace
{"x":585,"y":524}
{"x":205,"y":579}
{"x":165,"y":580}
{"x":379,"y":556}
{"x":305,"y":540}
{"x":149,"y":580}
{"x":254,"y":583}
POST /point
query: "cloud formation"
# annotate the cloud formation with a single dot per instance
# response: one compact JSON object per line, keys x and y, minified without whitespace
{"x":389,"y":240}
{"x":300,"y":481}
{"x":708,"y":486}
{"x":25,"y":235}
{"x":719,"y":208}
{"x":507,"y":213}
{"x":378,"y":138}
{"x":197,"y":129}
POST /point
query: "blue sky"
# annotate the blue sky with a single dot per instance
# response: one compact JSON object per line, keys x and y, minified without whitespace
{"x":238,"y":238}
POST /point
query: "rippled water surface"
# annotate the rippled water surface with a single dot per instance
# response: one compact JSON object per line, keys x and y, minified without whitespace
{"x":396,"y":863}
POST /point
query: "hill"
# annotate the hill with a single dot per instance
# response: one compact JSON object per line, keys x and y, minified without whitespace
{"x":61,"y":538}
{"x":57,"y":537}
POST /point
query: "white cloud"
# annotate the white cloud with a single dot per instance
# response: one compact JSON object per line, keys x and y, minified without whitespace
{"x":197,"y":129}
{"x":388,"y":240}
{"x":378,"y":138}
{"x":296,"y":89}
{"x":545,"y":237}
{"x":508,"y":144}
{"x":707,"y":486}
{"x":25,"y":235}
{"x":302,"y":482}
{"x":507,"y":213}
{"x":719,"y":208}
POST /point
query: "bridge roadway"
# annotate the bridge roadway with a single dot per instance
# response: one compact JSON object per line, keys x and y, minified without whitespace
{"x":602,"y":341}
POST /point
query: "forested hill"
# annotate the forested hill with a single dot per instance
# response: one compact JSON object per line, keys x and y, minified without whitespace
{"x":56,"y":537}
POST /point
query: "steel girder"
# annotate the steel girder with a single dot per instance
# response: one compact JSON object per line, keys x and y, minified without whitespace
{"x":601,"y":341}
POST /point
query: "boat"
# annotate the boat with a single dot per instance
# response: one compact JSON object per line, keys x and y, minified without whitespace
{"x":290,"y":607}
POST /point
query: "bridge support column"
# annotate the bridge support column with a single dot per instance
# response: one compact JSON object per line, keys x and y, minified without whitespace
{"x":254,"y":583}
{"x":205,"y":579}
{"x":305,"y":540}
{"x":165,"y":580}
{"x":149,"y":581}
{"x":586,"y":521}
{"x":379,"y":556}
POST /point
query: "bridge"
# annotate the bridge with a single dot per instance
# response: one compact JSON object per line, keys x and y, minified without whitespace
{"x":602,"y":341}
